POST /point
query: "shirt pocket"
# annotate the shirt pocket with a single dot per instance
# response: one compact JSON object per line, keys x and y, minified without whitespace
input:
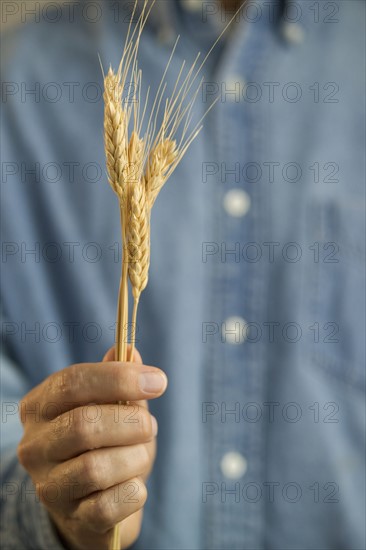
{"x":334,"y":288}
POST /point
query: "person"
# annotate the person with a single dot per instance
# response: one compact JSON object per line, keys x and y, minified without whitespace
{"x":254,"y":309}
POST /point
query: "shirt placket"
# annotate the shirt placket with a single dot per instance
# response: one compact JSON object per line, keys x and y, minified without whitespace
{"x":236,"y":366}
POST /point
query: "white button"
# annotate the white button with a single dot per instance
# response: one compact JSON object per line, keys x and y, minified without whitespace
{"x":192,"y":5}
{"x":233,"y":465}
{"x":293,"y":33}
{"x":233,"y":330}
{"x":237,"y":203}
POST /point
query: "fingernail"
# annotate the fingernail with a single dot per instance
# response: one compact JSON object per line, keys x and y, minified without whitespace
{"x":152,"y":382}
{"x":154,"y":424}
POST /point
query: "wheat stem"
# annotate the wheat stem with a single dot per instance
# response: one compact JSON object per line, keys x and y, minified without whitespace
{"x":122,"y":320}
{"x":134,"y":326}
{"x":115,"y":542}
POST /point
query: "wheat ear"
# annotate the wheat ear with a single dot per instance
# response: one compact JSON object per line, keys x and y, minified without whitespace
{"x":161,"y":159}
{"x":138,"y":243}
{"x":115,"y":132}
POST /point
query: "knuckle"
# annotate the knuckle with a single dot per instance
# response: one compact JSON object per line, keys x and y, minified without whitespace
{"x":80,"y":428}
{"x":64,"y":382}
{"x":141,"y":491}
{"x":125,"y":461}
{"x":24,"y":453}
{"x":136,"y":461}
{"x":131,"y":495}
{"x":145,"y":458}
{"x":89,"y":468}
{"x":64,"y":475}
{"x":59,"y":428}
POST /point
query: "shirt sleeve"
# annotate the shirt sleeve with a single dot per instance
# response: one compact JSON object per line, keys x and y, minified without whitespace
{"x":25,"y":523}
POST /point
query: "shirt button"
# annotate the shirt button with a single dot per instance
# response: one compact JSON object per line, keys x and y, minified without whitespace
{"x":293,"y":33}
{"x":192,"y":5}
{"x":233,"y":465}
{"x":237,"y":203}
{"x":233,"y":330}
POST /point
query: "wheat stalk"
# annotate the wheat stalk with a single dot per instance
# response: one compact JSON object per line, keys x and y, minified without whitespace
{"x":139,"y":166}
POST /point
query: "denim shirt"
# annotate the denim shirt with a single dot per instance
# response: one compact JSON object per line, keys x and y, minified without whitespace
{"x":255,"y":302}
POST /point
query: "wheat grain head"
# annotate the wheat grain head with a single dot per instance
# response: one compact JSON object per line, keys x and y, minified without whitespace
{"x":138,"y":240}
{"x":115,"y":134}
{"x":161,"y":158}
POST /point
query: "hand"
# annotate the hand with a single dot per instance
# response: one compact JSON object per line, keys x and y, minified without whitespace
{"x":89,"y":457}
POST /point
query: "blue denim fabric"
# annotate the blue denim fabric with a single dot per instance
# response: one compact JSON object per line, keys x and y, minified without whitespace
{"x":292,"y":137}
